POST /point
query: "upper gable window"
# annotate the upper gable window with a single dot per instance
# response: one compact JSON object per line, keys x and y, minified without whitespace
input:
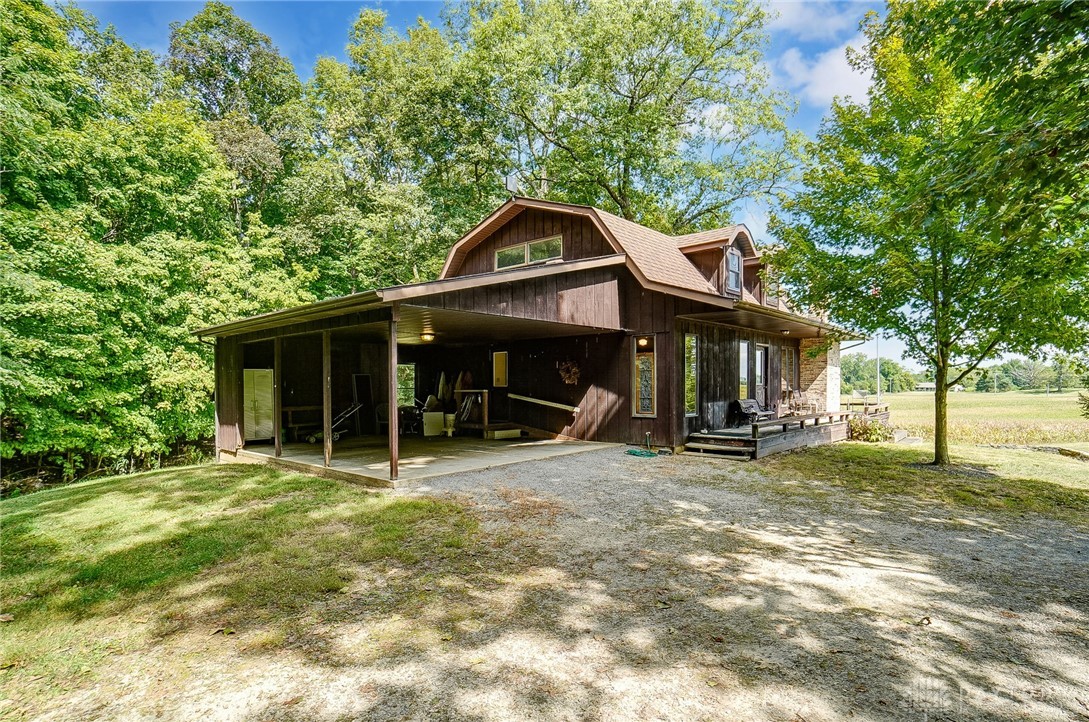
{"x":771,"y":290}
{"x":524,"y":254}
{"x":733,"y":270}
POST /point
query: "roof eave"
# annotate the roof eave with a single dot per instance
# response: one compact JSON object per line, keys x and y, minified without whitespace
{"x":844,"y":333}
{"x":340,"y":304}
{"x":386,"y":296}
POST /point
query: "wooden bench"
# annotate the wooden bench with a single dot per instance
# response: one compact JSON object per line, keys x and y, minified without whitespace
{"x":800,"y":421}
{"x":750,"y":410}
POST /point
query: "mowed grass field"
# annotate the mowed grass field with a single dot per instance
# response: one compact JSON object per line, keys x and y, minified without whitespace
{"x":1013,"y":417}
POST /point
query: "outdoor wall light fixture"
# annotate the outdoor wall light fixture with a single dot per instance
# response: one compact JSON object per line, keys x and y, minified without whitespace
{"x":785,"y":331}
{"x":427,"y":337}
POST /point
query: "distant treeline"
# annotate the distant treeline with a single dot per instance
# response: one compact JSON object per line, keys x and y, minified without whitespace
{"x":1064,"y":371}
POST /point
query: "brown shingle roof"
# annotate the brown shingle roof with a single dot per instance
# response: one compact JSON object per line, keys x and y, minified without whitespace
{"x":725,"y":233}
{"x":658,"y":258}
{"x":655,"y":254}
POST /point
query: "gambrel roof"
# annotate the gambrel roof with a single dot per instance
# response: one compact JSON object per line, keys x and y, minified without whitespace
{"x":655,"y":258}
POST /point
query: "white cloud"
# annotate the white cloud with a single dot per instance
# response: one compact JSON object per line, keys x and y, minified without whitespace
{"x":815,"y":20}
{"x":754,"y":216}
{"x":817,"y":81}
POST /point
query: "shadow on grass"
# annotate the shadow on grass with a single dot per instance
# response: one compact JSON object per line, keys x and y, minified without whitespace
{"x":404,"y":601}
{"x":218,"y":546}
{"x":884,"y":470}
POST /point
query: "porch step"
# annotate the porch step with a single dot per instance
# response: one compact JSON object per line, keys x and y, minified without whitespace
{"x":720,"y":440}
{"x":740,"y":453}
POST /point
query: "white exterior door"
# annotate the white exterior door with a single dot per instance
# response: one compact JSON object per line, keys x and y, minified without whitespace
{"x":257,"y":403}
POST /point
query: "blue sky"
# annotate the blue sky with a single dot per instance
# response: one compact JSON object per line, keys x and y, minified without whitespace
{"x":806,"y":55}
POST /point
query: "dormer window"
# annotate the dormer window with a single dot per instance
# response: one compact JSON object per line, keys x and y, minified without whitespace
{"x":733,"y":270}
{"x":771,"y":288}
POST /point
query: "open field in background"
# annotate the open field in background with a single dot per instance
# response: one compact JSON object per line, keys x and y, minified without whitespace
{"x":1013,"y":417}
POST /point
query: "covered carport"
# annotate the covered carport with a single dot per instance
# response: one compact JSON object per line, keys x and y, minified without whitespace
{"x":316,"y":352}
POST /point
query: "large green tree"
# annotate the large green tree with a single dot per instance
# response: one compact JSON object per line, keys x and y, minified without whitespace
{"x":1028,"y":66}
{"x":116,"y":238}
{"x":251,"y":98}
{"x":659,"y":112}
{"x":226,"y":66}
{"x":878,"y":238}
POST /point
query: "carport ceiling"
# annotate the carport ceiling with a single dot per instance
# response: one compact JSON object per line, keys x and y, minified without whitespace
{"x":464,"y":327}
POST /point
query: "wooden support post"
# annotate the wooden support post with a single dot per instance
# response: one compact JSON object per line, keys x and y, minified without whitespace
{"x":327,"y":395}
{"x":484,"y":409}
{"x":277,"y":404}
{"x":394,"y":415}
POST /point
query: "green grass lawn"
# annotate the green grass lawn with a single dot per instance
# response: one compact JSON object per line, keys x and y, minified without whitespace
{"x":1013,"y":417}
{"x":111,"y":566}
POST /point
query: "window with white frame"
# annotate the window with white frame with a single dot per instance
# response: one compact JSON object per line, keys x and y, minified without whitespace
{"x":733,"y":270}
{"x":525,"y":254}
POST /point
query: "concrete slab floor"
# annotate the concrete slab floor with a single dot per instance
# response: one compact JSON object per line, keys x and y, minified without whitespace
{"x":366,"y":459}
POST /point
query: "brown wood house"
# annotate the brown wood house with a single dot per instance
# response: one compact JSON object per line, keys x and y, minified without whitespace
{"x":554,"y":320}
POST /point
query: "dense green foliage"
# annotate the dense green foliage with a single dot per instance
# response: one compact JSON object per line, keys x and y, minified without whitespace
{"x":883,"y":236}
{"x":655,"y":111}
{"x":143,"y":197}
{"x":863,"y":428}
{"x":1029,"y":61}
{"x":116,"y":241}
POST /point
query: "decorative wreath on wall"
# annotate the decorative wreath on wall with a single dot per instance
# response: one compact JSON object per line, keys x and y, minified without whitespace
{"x":569,"y":372}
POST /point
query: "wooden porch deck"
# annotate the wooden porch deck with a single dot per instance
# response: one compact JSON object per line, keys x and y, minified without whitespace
{"x":365,"y":460}
{"x":773,"y":436}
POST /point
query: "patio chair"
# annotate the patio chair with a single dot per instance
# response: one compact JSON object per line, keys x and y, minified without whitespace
{"x":381,"y":417}
{"x":800,"y":403}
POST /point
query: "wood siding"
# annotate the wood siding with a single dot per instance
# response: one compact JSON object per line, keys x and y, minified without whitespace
{"x":605,"y":298}
{"x":580,"y":239}
{"x":586,"y":298}
{"x":719,"y":351}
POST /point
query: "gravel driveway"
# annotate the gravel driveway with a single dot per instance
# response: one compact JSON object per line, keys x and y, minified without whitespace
{"x":694,"y":588}
{"x":609,"y":587}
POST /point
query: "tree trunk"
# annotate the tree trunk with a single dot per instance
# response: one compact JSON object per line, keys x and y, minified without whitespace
{"x":941,"y":416}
